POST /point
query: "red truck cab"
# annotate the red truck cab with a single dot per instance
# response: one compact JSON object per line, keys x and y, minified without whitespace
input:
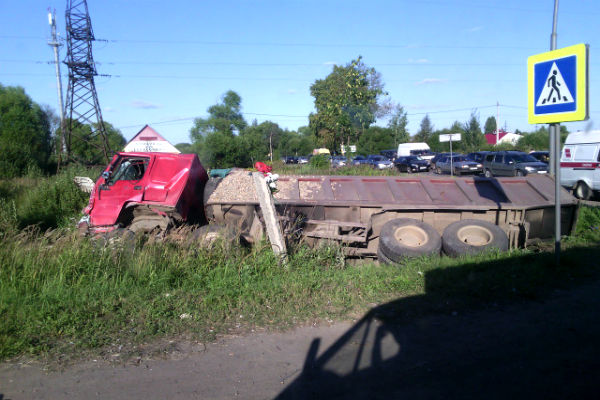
{"x":139,"y":187}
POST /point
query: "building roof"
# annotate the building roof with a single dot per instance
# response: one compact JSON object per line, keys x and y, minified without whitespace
{"x":503,"y":136}
{"x":147,"y":140}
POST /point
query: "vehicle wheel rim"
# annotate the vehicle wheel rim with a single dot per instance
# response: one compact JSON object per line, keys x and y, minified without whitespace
{"x":411,"y":236}
{"x":475,"y":235}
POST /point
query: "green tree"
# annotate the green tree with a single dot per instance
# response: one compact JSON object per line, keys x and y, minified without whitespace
{"x":347,"y":102}
{"x":397,"y":124}
{"x":473,"y":138}
{"x":375,"y":139}
{"x":425,"y":130}
{"x":490,"y":125}
{"x":25,"y":136}
{"x":225,"y":117}
{"x":87,"y":147}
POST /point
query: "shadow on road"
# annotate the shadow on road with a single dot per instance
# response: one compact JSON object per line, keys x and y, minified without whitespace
{"x":532,"y":331}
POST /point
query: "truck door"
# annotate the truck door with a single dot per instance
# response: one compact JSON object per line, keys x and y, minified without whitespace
{"x":123,"y":183}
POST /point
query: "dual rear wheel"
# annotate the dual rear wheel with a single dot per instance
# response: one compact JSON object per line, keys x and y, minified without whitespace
{"x":406,"y":238}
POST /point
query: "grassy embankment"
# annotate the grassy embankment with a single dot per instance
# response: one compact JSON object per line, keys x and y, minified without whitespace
{"x":60,"y":294}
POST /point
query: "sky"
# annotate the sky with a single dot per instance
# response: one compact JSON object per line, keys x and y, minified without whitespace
{"x":168,"y":61}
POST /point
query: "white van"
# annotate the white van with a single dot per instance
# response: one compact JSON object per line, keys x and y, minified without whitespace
{"x":415,"y":149}
{"x":580,"y":163}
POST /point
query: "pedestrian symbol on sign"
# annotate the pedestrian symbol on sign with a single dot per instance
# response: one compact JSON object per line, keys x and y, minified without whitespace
{"x":555,"y":89}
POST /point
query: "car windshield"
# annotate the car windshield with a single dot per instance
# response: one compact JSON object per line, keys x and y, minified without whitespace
{"x":459,"y":158}
{"x":413,"y":158}
{"x":523,"y":158}
{"x":378,"y":158}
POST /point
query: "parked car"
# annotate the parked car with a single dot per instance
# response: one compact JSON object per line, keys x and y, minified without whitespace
{"x":411,"y":164}
{"x":389,"y":154}
{"x":289,"y":160}
{"x":543,"y":156}
{"x":477,"y":156}
{"x":360,"y":160}
{"x":303,"y":159}
{"x":458,"y":165}
{"x":379,"y":162}
{"x":338,"y":161}
{"x":512,"y":163}
{"x":436,"y":158}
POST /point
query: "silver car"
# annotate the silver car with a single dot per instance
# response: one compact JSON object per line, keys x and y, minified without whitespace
{"x":379,"y":162}
{"x":460,"y":165}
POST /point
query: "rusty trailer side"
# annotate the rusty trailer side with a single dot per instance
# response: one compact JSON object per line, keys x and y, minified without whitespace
{"x":353,"y":209}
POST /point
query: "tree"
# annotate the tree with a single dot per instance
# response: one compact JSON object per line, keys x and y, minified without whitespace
{"x":347,"y":102}
{"x":490,"y":125}
{"x":398,"y":124}
{"x":473,"y":138}
{"x":25,"y":136}
{"x":375,"y":139}
{"x":89,"y":149}
{"x":224,"y":117}
{"x":425,"y":130}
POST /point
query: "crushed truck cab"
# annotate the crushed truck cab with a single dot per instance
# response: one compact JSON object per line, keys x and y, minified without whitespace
{"x":144,"y":191}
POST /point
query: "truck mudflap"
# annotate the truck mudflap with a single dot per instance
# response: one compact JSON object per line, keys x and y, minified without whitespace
{"x":352,"y":209}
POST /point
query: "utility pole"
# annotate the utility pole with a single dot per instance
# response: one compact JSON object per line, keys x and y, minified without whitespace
{"x":54,"y":42}
{"x":555,"y":157}
{"x":497,"y":121}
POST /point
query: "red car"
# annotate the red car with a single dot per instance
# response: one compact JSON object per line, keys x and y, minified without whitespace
{"x":143,"y":191}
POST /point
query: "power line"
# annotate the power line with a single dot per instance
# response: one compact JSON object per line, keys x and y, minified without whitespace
{"x":245,"y":64}
{"x":292,"y":44}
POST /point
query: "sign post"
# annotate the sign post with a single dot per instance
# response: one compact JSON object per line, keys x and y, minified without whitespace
{"x":449,"y":138}
{"x":557,"y":91}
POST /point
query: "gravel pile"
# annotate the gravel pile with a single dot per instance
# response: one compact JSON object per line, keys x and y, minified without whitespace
{"x":237,"y":186}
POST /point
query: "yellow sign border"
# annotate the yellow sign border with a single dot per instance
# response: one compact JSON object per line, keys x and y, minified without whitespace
{"x":581,"y":106}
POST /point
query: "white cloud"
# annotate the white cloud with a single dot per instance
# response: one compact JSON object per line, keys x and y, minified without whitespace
{"x":144,"y":104}
{"x":292,"y":91}
{"x":429,"y":81}
{"x":108,"y":109}
{"x":330,"y":63}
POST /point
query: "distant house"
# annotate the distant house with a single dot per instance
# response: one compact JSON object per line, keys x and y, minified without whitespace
{"x":148,"y":140}
{"x":503,"y":137}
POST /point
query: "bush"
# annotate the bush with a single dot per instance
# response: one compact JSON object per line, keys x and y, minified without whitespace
{"x":319,"y":161}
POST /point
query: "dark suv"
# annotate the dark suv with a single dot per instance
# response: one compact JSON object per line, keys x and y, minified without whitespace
{"x":512,"y":163}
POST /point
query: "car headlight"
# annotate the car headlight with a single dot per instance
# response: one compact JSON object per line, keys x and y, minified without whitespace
{"x":529,"y":169}
{"x":465,"y":166}
{"x":479,"y":165}
{"x":414,"y":165}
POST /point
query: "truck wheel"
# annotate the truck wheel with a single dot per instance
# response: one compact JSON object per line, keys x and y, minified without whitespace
{"x":406,"y":237}
{"x":382,"y":258}
{"x":487,"y":173}
{"x":519,"y":173}
{"x":209,"y":235}
{"x":471,"y":236}
{"x":583,"y":191}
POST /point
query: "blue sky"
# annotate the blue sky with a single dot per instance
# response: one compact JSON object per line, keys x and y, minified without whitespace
{"x":170,"y":61}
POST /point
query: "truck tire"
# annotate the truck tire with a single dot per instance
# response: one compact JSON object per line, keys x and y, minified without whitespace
{"x":471,"y":236}
{"x":382,"y":258}
{"x":519,"y":173}
{"x":406,"y":237}
{"x":582,"y":191}
{"x":487,"y":173}
{"x":207,"y":236}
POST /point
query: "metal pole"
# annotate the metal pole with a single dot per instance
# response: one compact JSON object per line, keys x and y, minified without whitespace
{"x":555,"y":157}
{"x":451,"y":167}
{"x":54,"y":43}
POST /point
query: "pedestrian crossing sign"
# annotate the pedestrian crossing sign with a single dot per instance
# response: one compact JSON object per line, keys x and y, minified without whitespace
{"x":558,"y":85}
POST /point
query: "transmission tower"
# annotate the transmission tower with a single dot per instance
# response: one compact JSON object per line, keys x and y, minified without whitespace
{"x":82,"y":100}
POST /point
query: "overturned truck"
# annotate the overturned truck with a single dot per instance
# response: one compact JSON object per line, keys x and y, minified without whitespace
{"x":388,"y":217}
{"x":392,"y":217}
